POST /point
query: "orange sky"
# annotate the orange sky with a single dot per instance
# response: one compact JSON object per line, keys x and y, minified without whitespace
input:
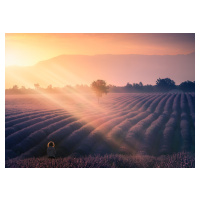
{"x":120,"y":58}
{"x":28,"y":49}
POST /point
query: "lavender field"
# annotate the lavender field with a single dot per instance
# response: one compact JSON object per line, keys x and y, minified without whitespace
{"x":129,"y":124}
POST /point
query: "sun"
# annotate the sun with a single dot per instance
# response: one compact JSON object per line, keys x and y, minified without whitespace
{"x":18,"y":56}
{"x":11,"y":58}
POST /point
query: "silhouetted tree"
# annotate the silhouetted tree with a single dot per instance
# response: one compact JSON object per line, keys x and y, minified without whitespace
{"x":165,"y":84}
{"x":100,"y":88}
{"x":148,"y":88}
{"x":140,"y":84}
{"x":138,"y":87}
{"x":187,"y":86}
{"x":128,"y":87}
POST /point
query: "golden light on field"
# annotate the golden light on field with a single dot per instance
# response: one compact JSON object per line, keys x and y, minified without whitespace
{"x":26,"y":49}
{"x":72,"y":103}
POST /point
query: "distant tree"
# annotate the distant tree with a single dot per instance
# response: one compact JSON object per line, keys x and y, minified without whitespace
{"x":82,"y":88}
{"x":165,"y":84}
{"x":113,"y":88}
{"x":187,"y":86}
{"x":148,"y":88}
{"x":15,"y":90}
{"x":140,"y":84}
{"x":128,"y":87}
{"x":138,"y":87}
{"x":49,"y":87}
{"x":23,"y":89}
{"x":37,"y":86}
{"x":99,"y":87}
{"x":15,"y":87}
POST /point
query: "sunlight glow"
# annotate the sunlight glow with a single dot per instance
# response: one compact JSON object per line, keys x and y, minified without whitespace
{"x":28,"y":49}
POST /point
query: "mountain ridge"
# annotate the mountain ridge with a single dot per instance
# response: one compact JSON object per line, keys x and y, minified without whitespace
{"x":115,"y":69}
{"x":95,"y":55}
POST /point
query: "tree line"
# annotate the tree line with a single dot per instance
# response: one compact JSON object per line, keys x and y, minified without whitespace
{"x":162,"y":85}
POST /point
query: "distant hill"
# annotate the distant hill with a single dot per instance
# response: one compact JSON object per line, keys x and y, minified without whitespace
{"x":115,"y":69}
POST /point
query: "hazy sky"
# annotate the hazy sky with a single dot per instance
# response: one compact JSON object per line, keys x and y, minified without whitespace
{"x":151,"y":56}
{"x":28,"y":49}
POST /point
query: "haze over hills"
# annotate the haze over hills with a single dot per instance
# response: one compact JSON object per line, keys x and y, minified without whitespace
{"x":114,"y":69}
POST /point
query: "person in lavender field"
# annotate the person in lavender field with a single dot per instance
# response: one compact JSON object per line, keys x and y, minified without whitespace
{"x":51,"y":151}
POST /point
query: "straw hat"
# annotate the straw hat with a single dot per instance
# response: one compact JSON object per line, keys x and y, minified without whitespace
{"x":51,"y":142}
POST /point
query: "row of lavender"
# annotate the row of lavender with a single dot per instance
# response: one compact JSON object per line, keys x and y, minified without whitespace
{"x":151,"y":124}
{"x":178,"y":160}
